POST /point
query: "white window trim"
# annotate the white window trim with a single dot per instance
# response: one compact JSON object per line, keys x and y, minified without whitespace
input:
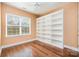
{"x":16,"y":25}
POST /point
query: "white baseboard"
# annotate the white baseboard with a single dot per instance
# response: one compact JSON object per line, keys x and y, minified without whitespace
{"x":52,"y":44}
{"x":72,"y":48}
{"x":29,"y":40}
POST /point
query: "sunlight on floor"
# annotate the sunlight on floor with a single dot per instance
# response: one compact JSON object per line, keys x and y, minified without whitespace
{"x":27,"y":52}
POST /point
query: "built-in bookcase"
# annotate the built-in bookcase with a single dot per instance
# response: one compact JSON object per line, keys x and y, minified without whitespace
{"x":50,"y":28}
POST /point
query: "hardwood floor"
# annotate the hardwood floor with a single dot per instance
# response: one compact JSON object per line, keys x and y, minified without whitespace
{"x":48,"y":50}
{"x":37,"y":49}
{"x":70,"y":53}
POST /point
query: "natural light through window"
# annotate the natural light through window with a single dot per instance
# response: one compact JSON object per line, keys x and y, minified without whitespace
{"x":17,"y":25}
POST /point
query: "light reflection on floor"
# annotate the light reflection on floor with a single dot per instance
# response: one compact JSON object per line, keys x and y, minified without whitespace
{"x":25,"y":52}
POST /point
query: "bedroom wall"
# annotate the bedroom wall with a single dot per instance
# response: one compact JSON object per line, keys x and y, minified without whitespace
{"x":0,"y":24}
{"x":78,"y":25}
{"x":70,"y":25}
{"x":12,"y":40}
{"x":0,"y":29}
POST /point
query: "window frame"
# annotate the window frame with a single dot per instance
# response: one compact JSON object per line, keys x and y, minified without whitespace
{"x":20,"y":27}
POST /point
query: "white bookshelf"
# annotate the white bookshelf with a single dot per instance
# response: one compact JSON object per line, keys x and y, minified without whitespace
{"x":50,"y":28}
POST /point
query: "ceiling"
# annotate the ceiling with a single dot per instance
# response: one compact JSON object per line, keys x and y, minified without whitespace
{"x":37,"y":8}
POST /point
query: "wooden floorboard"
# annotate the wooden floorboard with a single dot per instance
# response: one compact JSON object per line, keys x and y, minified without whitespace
{"x":44,"y":50}
{"x":51,"y":48}
{"x":40,"y":49}
{"x":70,"y":53}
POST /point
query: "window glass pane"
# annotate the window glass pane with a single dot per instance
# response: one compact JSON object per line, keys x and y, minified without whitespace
{"x":25,"y":21}
{"x":16,"y":20}
{"x":9,"y":20}
{"x":13,"y":30}
{"x":12,"y":20}
{"x":25,"y":30}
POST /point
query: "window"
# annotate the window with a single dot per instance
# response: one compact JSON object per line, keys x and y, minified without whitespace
{"x":17,"y":25}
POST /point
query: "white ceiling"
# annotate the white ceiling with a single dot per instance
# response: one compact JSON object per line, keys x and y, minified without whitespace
{"x":31,"y":7}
